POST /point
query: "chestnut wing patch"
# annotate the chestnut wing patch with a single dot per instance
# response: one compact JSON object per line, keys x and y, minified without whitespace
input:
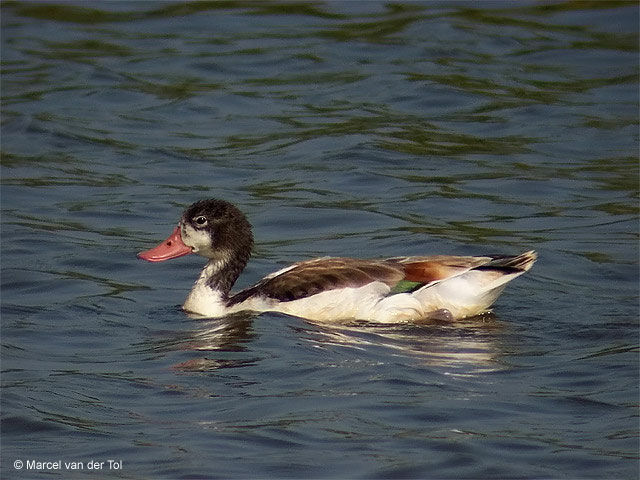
{"x":438,"y":267}
{"x":316,"y":276}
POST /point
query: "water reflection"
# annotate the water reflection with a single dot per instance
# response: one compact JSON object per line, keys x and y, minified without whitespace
{"x":461,"y":347}
{"x":229,"y":334}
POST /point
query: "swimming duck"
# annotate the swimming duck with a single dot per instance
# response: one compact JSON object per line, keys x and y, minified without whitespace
{"x":331,"y":289}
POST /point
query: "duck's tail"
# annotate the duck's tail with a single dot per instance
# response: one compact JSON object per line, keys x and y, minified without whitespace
{"x":510,"y":264}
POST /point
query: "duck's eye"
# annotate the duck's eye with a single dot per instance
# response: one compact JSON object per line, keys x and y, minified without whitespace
{"x":200,"y":220}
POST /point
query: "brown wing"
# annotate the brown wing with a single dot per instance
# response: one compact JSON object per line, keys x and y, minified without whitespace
{"x":314,"y":276}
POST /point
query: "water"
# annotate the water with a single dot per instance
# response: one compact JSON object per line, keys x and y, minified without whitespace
{"x":342,"y":128}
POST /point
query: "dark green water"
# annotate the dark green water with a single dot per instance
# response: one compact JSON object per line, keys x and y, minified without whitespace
{"x":367,"y":129}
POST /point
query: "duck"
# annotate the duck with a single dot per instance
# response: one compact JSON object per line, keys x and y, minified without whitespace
{"x":330,"y":289}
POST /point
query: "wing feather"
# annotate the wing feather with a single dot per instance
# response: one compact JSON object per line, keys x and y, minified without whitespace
{"x":440,"y":267}
{"x":304,"y":279}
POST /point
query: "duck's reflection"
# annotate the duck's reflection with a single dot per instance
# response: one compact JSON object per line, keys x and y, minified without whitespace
{"x":467,"y":346}
{"x":229,"y":334}
{"x":223,"y":335}
{"x":462,"y":347}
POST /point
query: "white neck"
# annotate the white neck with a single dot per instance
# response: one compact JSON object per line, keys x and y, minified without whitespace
{"x":203,"y":298}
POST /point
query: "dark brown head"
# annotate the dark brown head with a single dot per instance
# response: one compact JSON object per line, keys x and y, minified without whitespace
{"x":213,"y":228}
{"x":217,"y":230}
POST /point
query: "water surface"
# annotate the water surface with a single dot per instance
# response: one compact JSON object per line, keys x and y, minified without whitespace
{"x":369,"y":129}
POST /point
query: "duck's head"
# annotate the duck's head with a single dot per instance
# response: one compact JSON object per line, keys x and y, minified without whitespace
{"x":213,"y":228}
